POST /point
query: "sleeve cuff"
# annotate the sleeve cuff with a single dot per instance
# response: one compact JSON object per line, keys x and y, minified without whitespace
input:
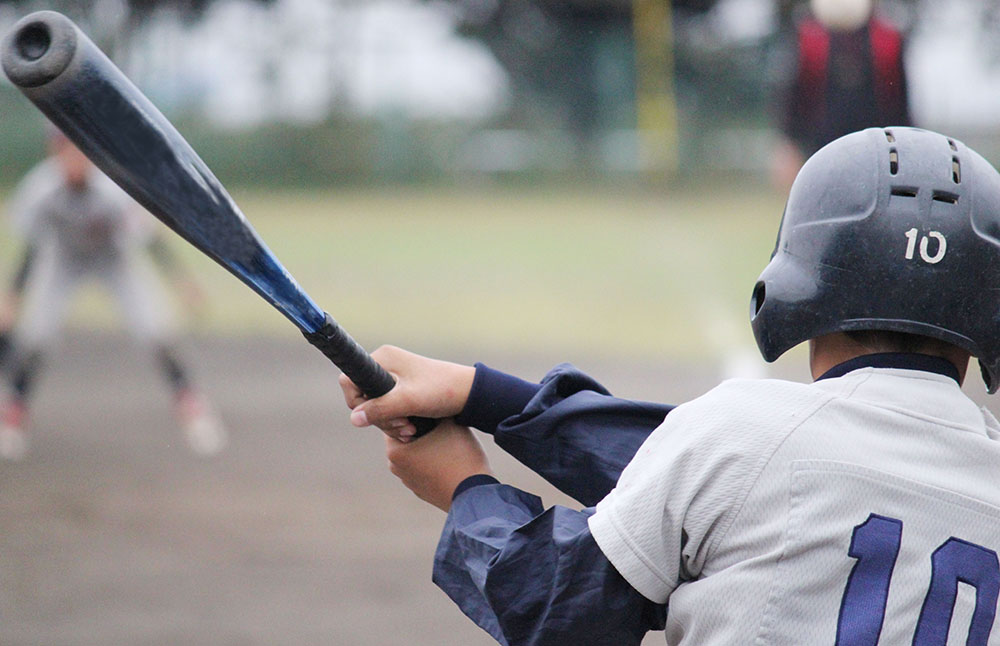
{"x":494,"y":397}
{"x":626,"y":556}
{"x":474,"y":481}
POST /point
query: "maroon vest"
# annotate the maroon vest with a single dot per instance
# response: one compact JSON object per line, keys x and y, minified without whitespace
{"x":887,"y":51}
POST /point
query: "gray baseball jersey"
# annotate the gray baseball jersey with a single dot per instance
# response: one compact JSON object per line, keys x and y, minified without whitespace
{"x":96,"y":231}
{"x":859,"y":510}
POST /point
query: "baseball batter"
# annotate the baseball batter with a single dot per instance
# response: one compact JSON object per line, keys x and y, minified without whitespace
{"x":860,"y":509}
{"x":80,"y":226}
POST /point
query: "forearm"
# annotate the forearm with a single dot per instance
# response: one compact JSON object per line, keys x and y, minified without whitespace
{"x":568,"y":429}
{"x":535,"y":577}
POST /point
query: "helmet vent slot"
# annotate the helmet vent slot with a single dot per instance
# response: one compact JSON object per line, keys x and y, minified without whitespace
{"x":890,"y":137}
{"x":956,"y":170}
{"x":944,"y":196}
{"x":903,"y":191}
{"x":951,"y":142}
{"x":893,"y":161}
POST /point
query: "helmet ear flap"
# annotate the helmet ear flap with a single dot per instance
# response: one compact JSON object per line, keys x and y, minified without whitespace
{"x":781,"y":311}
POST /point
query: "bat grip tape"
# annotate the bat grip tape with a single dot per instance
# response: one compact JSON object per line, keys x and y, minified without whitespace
{"x":373,"y":380}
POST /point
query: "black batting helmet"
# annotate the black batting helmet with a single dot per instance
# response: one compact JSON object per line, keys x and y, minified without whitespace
{"x":892,"y":229}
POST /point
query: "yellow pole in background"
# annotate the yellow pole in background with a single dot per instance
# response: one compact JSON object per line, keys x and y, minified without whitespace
{"x":656,"y":105}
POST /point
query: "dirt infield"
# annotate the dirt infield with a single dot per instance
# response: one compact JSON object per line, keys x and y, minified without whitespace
{"x":111,"y":532}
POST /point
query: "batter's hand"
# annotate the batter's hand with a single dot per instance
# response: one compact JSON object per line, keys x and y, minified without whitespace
{"x":424,"y":388}
{"x":433,"y":467}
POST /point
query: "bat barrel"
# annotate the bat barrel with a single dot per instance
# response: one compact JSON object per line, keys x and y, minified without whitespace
{"x":38,"y":48}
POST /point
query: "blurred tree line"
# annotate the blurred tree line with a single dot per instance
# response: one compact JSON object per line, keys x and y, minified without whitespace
{"x":575,"y":70}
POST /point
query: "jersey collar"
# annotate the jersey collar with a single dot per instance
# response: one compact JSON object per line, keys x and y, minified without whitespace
{"x":898,"y":360}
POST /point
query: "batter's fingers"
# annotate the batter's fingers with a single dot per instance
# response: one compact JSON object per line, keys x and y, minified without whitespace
{"x":399,"y":429}
{"x":382,"y":410}
{"x":352,"y":394}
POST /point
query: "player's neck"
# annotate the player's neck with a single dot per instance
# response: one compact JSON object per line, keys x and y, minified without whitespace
{"x":831,"y":350}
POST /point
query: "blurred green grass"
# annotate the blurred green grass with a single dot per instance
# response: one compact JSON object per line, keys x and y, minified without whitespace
{"x":628,"y":272}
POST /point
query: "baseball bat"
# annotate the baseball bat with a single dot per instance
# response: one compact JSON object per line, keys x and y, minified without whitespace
{"x":86,"y":96}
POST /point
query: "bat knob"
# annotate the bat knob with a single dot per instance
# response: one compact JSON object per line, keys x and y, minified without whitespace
{"x":38,"y":48}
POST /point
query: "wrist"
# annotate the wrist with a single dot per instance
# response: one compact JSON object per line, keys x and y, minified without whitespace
{"x":459,"y":386}
{"x":494,"y":396}
{"x":476,"y":480}
{"x":463,"y":482}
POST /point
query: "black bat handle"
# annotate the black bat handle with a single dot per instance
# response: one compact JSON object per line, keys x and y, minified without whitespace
{"x":373,"y":380}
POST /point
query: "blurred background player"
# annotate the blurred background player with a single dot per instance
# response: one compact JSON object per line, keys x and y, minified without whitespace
{"x":78,"y":225}
{"x":849,"y":75}
{"x":159,"y":251}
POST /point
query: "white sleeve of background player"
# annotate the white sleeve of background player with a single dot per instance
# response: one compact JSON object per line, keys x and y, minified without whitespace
{"x":24,"y":210}
{"x":139,"y":226}
{"x":680,"y":493}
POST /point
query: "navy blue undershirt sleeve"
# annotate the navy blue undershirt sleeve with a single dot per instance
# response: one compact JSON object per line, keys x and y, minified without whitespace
{"x":531,"y":576}
{"x":494,"y":397}
{"x":473,"y":481}
{"x":535,"y":577}
{"x":569,"y":429}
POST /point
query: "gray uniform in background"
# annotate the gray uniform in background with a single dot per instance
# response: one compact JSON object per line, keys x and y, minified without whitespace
{"x":94,"y":232}
{"x":81,"y":230}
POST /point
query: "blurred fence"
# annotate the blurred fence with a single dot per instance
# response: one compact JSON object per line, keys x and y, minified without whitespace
{"x":360,"y":150}
{"x":584,"y":96}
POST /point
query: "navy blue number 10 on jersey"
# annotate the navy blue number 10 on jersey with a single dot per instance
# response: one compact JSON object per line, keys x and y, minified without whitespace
{"x":875,"y":544}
